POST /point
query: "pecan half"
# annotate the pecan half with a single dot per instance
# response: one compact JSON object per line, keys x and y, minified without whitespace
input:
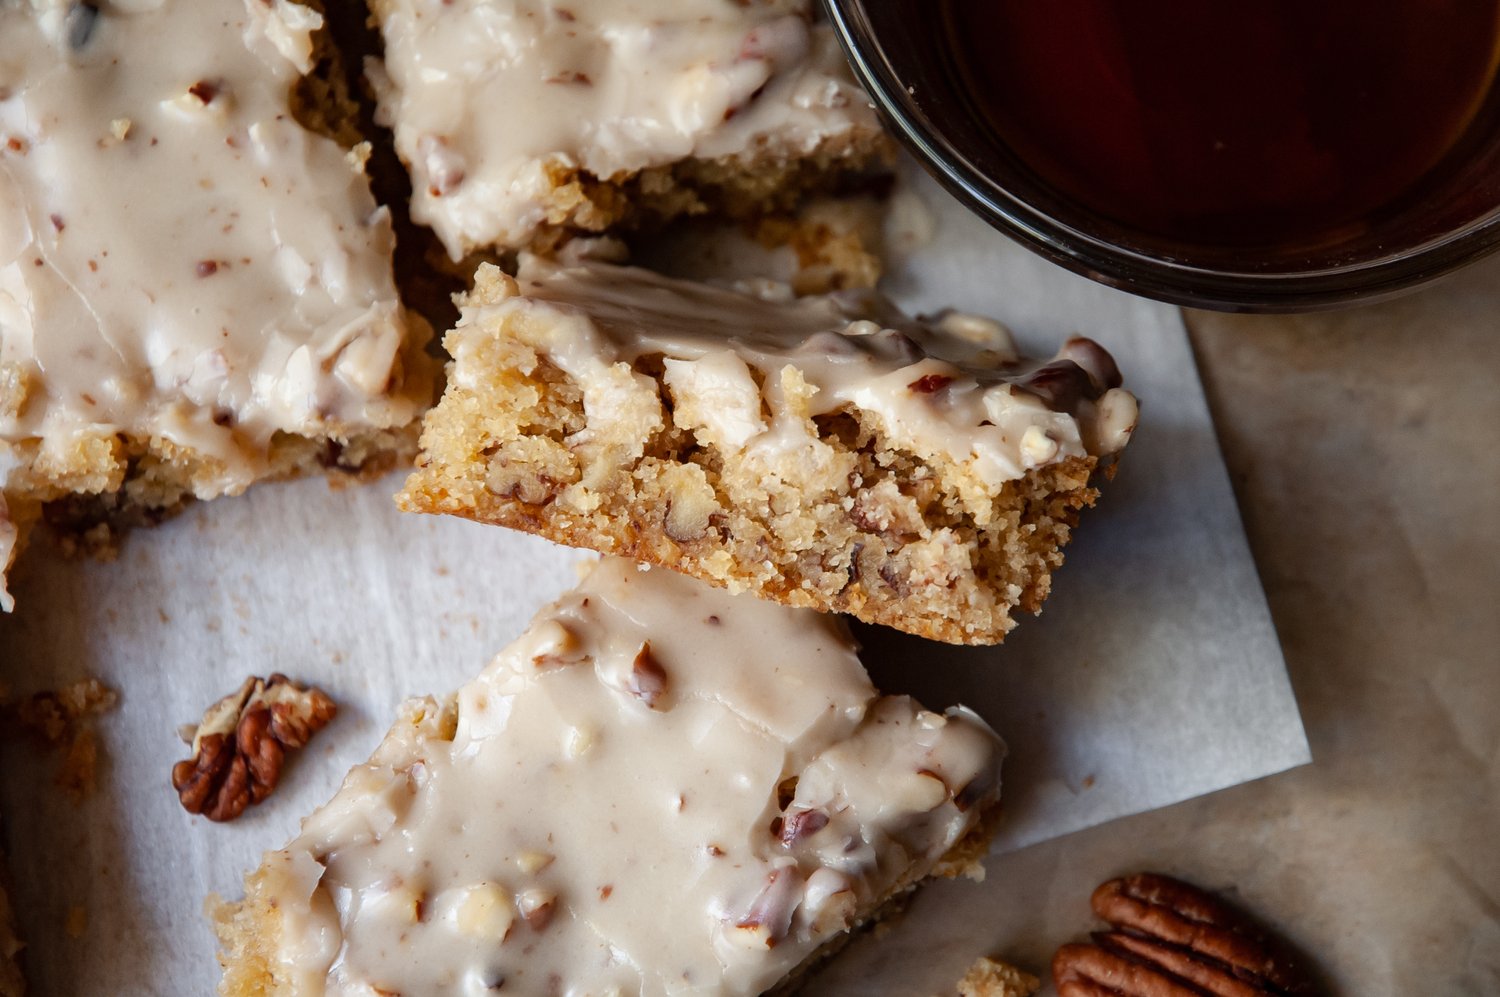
{"x":239,"y":749}
{"x":1172,"y":939}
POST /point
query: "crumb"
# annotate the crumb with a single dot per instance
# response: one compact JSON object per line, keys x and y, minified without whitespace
{"x":993,"y":978}
{"x":835,"y":251}
{"x":64,"y":719}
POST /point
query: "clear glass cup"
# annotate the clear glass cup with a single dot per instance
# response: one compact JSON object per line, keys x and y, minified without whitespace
{"x":899,"y":53}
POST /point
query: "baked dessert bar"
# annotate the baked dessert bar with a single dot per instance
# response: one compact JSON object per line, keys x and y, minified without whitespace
{"x":817,"y":451}
{"x":989,"y":977}
{"x":659,"y":788}
{"x":522,"y":119}
{"x":195,"y":290}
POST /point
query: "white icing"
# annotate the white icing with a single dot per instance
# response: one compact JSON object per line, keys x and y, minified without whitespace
{"x":975,"y":410}
{"x":484,"y":95}
{"x":629,"y":809}
{"x":179,"y":258}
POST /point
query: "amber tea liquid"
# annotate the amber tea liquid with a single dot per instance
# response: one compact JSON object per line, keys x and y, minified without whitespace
{"x":1230,"y":123}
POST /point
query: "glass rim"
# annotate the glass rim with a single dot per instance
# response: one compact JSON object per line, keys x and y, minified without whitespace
{"x":1177,"y":281}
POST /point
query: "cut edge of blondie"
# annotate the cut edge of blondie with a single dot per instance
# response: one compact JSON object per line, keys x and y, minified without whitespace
{"x":107,"y":483}
{"x":581,"y":203}
{"x":879,"y":533}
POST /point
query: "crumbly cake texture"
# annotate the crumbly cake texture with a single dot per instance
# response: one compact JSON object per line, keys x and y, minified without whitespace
{"x":604,"y":115}
{"x":795,"y":448}
{"x":195,"y":289}
{"x":992,"y":978}
{"x":659,"y":788}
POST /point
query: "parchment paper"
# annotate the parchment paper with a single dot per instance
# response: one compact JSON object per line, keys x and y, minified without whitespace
{"x":1362,"y":445}
{"x":1153,"y":676}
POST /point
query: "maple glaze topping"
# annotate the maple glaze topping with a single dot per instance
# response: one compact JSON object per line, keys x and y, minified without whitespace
{"x":487,"y":97}
{"x":659,"y":788}
{"x":953,"y":388}
{"x":179,"y":258}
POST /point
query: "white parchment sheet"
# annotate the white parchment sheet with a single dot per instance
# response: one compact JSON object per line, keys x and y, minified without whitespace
{"x":1153,"y":676}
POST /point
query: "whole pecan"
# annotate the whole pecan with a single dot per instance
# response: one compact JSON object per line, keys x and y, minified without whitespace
{"x":240,"y":747}
{"x":1171,"y":939}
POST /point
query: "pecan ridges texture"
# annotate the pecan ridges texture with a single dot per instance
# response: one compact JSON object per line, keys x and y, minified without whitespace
{"x":240,"y":747}
{"x":1171,"y":939}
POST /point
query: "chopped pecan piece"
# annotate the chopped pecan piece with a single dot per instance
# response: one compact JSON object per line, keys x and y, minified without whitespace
{"x":769,"y":918}
{"x":929,"y":383}
{"x":648,"y":679}
{"x":1172,"y":939}
{"x":239,"y":749}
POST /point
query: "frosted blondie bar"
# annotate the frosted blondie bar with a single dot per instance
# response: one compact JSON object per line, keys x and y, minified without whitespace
{"x":659,"y":788}
{"x":825,"y":452}
{"x":522,"y":119}
{"x":195,"y":290}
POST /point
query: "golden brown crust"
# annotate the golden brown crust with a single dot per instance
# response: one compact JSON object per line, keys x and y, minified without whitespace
{"x":1044,"y":519}
{"x":582,"y":203}
{"x":248,"y":932}
{"x":107,"y":484}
